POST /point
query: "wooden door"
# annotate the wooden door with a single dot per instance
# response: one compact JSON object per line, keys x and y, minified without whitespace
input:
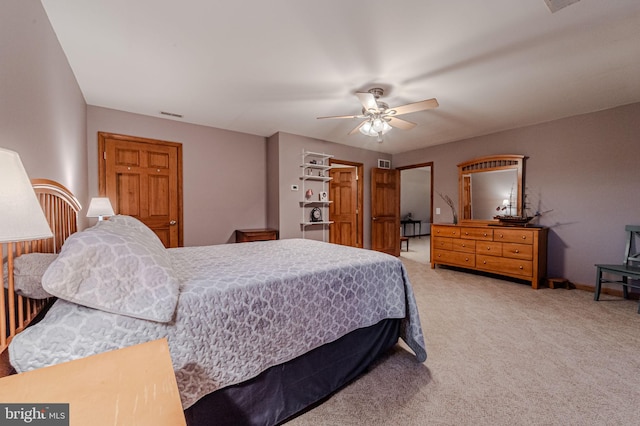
{"x":343,"y":211}
{"x":385,"y":211}
{"x":143,"y":179}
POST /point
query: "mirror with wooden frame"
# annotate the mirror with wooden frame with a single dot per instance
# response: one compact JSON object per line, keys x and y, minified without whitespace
{"x":491,"y":186}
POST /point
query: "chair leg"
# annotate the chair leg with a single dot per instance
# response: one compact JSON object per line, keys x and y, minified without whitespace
{"x":625,"y":289}
{"x":596,"y":295}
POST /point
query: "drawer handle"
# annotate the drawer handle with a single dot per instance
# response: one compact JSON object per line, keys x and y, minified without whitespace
{"x":521,"y":267}
{"x":466,"y":233}
{"x":484,"y":261}
{"x":466,"y":259}
{"x":485,"y":234}
{"x":524,"y":237}
{"x":517,"y":251}
{"x":501,"y":236}
{"x":488,"y":248}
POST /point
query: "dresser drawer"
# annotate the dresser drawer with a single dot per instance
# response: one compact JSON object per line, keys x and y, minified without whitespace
{"x":521,"y":236}
{"x":442,"y":243}
{"x":467,"y":260}
{"x":502,"y":265}
{"x":467,"y":246}
{"x":489,"y":248}
{"x":517,"y":251}
{"x":477,"y":233}
{"x":445,"y":231}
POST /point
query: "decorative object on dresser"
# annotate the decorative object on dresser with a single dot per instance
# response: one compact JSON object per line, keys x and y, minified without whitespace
{"x":517,"y":252}
{"x":449,"y":202}
{"x":259,"y":234}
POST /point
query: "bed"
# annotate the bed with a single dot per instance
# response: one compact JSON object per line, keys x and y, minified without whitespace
{"x":257,"y":331}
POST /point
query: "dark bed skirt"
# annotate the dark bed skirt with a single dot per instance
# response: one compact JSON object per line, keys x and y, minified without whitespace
{"x":286,"y":390}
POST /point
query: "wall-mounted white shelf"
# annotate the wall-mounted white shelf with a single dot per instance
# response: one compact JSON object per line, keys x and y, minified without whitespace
{"x":315,"y":176}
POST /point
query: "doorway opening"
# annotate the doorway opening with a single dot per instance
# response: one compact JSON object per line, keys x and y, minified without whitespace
{"x":416,"y":211}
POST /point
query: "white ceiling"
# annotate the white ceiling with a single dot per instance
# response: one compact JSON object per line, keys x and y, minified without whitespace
{"x":263,"y":66}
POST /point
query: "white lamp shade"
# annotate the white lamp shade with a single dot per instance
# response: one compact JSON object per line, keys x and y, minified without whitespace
{"x":21,"y":216}
{"x":369,"y":128}
{"x":100,"y":206}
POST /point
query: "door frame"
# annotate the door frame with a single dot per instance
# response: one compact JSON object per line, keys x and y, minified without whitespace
{"x":417,"y":166}
{"x":360,"y":198}
{"x":102,"y":169}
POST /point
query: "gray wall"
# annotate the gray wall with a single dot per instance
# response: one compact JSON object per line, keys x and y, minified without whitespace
{"x":42,"y":111}
{"x":224,"y":172}
{"x":583,"y":168}
{"x":289,"y":157}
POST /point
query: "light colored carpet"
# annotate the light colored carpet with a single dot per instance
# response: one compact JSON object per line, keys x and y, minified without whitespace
{"x":501,"y":353}
{"x":418,"y":249}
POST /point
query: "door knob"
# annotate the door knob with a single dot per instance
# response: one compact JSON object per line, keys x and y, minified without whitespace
{"x":173,"y":222}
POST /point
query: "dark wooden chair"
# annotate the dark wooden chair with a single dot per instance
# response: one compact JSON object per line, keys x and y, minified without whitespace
{"x":628,"y":269}
{"x":404,"y":240}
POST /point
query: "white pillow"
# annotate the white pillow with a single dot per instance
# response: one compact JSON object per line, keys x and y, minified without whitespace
{"x":132,"y":222}
{"x":28,"y":270}
{"x":118,"y":267}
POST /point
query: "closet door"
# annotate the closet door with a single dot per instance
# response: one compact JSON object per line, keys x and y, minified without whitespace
{"x":142,"y":178}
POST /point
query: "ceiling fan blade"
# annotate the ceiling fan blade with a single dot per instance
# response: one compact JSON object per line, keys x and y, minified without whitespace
{"x":357,"y":128}
{"x":413,"y":107}
{"x":342,"y":116}
{"x":400,"y":123}
{"x":367,"y":100}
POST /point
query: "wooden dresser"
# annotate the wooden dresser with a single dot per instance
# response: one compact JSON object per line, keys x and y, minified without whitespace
{"x":518,"y":252}
{"x":262,"y":234}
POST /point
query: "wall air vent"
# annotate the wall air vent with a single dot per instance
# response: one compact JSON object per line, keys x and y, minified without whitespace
{"x":171,"y":114}
{"x":384,"y":164}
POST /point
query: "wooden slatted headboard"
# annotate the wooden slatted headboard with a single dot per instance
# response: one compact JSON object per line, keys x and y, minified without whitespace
{"x":61,"y":210}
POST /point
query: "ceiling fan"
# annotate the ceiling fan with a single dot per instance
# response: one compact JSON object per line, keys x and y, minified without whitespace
{"x":379,"y":118}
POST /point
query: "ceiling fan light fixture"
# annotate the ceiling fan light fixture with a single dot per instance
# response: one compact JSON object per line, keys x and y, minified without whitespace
{"x":375,"y":127}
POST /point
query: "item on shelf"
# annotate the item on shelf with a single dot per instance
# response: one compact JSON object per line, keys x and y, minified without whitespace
{"x":316,"y":214}
{"x":323,"y":196}
{"x":309,"y":193}
{"x":513,"y":220}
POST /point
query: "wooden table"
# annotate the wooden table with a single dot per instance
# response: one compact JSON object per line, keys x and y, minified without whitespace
{"x":404,"y":223}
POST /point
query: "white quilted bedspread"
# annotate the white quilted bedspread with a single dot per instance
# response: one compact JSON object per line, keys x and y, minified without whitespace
{"x":242,"y":309}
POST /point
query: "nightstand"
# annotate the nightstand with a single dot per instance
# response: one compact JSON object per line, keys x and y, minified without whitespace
{"x":261,"y":234}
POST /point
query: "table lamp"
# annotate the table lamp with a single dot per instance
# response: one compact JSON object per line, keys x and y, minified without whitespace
{"x":21,"y":217}
{"x":100,"y":207}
